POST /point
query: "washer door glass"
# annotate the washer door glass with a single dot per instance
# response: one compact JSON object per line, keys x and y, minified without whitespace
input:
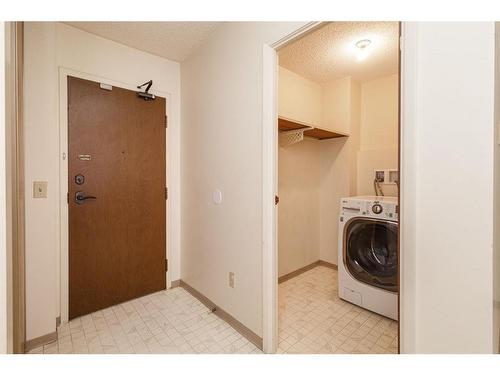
{"x":370,"y":252}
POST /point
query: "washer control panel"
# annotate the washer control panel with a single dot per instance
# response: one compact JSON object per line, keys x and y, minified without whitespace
{"x":375,"y":207}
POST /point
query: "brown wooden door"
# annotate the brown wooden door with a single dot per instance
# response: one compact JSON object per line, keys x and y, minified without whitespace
{"x":117,"y":241}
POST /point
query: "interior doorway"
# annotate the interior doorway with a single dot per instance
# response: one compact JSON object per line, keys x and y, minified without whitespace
{"x":337,"y":164}
{"x":116,"y":195}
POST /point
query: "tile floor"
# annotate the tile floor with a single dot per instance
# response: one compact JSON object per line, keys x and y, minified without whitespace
{"x":170,"y":321}
{"x":313,"y":319}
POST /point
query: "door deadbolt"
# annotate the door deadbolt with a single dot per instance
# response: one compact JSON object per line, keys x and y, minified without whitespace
{"x":79,"y":179}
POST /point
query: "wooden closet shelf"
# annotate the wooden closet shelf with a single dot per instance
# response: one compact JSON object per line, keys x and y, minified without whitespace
{"x":318,"y":133}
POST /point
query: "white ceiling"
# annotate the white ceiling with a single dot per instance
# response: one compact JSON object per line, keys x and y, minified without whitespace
{"x":172,"y":40}
{"x":329,"y":53}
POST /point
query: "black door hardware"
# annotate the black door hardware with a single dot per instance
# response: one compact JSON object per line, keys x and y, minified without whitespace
{"x":79,"y":179}
{"x":146,"y":95}
{"x":80,"y":197}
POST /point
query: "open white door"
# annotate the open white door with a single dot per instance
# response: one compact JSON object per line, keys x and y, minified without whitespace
{"x":269,"y":209}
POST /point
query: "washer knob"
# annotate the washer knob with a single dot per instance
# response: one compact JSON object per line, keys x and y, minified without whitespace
{"x":377,"y":208}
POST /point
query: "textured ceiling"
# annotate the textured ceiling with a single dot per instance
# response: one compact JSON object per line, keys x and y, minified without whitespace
{"x":172,"y":40}
{"x":329,"y":53}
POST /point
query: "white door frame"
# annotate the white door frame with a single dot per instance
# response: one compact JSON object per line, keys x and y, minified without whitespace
{"x":62,"y":257}
{"x":270,"y":178}
{"x":407,"y":187}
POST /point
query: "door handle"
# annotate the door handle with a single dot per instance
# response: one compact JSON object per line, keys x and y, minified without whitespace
{"x":80,"y":197}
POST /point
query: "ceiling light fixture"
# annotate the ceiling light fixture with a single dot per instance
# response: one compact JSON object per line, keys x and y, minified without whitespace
{"x":362,"y":48}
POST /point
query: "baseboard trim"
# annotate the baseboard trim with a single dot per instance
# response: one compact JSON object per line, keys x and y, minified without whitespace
{"x":324,"y":263}
{"x":224,"y":315}
{"x":300,"y":271}
{"x":175,"y":284}
{"x":39,"y":341}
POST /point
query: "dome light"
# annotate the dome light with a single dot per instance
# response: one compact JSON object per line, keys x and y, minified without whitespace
{"x":362,"y":48}
{"x":363,"y":43}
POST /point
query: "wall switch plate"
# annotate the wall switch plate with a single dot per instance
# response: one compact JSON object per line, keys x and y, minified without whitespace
{"x":231,"y":279}
{"x":39,"y":189}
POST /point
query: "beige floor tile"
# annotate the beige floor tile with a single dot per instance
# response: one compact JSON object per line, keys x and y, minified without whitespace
{"x":170,"y":321}
{"x":313,"y":319}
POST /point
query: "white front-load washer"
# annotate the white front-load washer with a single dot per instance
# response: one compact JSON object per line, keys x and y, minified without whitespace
{"x":368,"y":253}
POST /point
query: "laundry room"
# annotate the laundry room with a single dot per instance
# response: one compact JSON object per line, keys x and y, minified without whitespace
{"x":338,"y":185}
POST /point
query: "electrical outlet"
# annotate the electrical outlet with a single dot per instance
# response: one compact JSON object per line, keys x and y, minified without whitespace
{"x":231,"y":279}
{"x":39,"y":189}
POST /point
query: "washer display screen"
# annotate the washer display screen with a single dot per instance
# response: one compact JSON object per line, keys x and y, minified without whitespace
{"x":370,"y":252}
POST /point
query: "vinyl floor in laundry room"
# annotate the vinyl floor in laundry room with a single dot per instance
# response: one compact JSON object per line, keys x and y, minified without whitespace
{"x":313,"y":319}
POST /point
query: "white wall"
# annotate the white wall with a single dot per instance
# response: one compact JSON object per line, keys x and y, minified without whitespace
{"x":368,"y":112}
{"x":496,"y":233}
{"x":3,"y":244}
{"x":379,"y":113}
{"x":222,"y":149}
{"x":447,"y":165}
{"x":379,"y":133}
{"x":338,"y":177}
{"x":341,"y":112}
{"x":314,"y":175}
{"x":334,"y":184}
{"x":354,"y":136}
{"x":41,"y":158}
{"x":49,"y":46}
{"x":299,"y":98}
{"x":336,"y":105}
{"x":299,"y":207}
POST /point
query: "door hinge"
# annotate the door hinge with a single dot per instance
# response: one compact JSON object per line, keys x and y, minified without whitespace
{"x":166,"y":121}
{"x":67,"y":197}
{"x":166,"y":264}
{"x":166,"y":193}
{"x":276,"y":200}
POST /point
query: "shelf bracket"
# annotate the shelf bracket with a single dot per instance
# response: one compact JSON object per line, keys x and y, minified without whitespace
{"x":290,"y":137}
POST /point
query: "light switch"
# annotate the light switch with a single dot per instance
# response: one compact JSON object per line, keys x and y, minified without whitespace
{"x":39,"y":189}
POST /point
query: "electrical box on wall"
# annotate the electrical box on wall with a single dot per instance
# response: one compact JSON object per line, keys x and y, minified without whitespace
{"x":393,"y":176}
{"x":386,"y":176}
{"x":380,"y":175}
